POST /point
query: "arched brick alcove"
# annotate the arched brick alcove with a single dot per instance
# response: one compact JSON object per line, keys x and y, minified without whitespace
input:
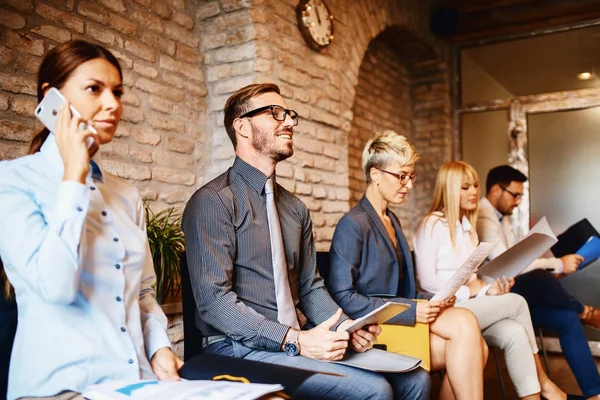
{"x":401,"y":87}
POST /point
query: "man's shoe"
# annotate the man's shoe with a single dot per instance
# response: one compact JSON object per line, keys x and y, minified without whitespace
{"x":590,"y":317}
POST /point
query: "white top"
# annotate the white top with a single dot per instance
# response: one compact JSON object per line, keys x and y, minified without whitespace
{"x":437,"y":259}
{"x":491,"y":229}
{"x":78,"y":257}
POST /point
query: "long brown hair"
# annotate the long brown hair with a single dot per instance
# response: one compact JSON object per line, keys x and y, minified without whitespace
{"x":58,"y":65}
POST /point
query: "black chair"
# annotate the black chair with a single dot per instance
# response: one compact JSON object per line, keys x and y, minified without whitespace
{"x":212,"y":366}
{"x":192,"y":337}
{"x":8,"y":327}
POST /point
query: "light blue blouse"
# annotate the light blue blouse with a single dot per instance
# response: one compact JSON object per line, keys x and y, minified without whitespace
{"x":79,"y":260}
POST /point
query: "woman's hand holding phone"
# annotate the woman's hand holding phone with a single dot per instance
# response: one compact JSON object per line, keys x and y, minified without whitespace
{"x":72,"y":144}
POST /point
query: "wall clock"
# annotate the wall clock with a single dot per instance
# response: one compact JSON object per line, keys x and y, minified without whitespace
{"x":315,"y":22}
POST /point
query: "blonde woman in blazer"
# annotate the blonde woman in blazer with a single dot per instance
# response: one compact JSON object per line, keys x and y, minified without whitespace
{"x":371,"y":263}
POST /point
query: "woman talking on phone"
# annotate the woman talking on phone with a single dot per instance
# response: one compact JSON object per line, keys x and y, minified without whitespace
{"x":74,"y":246}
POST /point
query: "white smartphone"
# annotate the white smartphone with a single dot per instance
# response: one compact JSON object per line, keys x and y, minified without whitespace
{"x":48,"y":109}
{"x":378,"y":316}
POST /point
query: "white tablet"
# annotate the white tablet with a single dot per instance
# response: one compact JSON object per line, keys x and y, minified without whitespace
{"x":378,"y":316}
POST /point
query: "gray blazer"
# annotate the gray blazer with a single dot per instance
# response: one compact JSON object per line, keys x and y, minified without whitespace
{"x":364,"y":267}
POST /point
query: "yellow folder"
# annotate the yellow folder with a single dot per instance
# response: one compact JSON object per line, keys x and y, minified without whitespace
{"x":408,"y":340}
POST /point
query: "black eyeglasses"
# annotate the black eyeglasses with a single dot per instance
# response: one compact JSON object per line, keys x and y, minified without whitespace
{"x":403,"y":178}
{"x":279,"y":113}
{"x":516,"y":196}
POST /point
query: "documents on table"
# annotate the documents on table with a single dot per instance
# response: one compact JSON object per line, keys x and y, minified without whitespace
{"x":468,"y":268}
{"x":179,"y":390}
{"x":380,"y":361}
{"x":518,"y":257}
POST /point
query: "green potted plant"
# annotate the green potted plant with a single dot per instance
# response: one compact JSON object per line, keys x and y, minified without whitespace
{"x":167,"y":243}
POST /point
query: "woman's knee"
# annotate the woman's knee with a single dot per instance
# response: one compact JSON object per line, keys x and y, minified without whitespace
{"x":512,"y":336}
{"x":461,"y":323}
{"x":518,"y":302}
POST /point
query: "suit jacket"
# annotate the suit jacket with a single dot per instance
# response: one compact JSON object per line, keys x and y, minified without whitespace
{"x":491,"y":229}
{"x":364,"y":266}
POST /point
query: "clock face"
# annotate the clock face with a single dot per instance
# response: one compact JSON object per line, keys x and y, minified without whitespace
{"x":316,"y":23}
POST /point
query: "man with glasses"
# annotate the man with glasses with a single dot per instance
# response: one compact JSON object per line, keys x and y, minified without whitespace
{"x":551,"y":307}
{"x":251,"y":259}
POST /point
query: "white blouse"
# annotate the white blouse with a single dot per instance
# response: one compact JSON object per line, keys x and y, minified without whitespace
{"x":437,"y":259}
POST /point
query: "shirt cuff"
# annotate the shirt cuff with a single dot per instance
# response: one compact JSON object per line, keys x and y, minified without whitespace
{"x":270,"y":335}
{"x":155,"y":338}
{"x":483,"y":291}
{"x":73,"y":199}
{"x":463,"y":294}
{"x":559,"y":267}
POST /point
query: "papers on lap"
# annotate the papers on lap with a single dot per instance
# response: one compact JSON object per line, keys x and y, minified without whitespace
{"x":179,"y":390}
{"x":380,"y":361}
{"x":462,"y":275}
{"x":590,"y":251}
{"x":514,"y":260}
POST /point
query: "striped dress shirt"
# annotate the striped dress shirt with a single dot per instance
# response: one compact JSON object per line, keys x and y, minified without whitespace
{"x":229,"y":258}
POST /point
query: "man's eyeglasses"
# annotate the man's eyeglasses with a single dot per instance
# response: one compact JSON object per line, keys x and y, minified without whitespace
{"x":279,"y":113}
{"x":403,"y":178}
{"x":516,"y":196}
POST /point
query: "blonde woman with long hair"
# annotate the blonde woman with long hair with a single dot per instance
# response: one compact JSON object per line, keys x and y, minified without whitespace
{"x":371,"y":263}
{"x":444,"y":240}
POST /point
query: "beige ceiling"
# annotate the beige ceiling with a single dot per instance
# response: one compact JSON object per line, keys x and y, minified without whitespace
{"x":542,"y":64}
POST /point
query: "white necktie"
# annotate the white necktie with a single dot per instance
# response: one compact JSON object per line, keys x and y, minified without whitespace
{"x":286,"y":311}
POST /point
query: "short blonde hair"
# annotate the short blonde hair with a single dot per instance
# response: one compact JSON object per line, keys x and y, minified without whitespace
{"x":386,"y":148}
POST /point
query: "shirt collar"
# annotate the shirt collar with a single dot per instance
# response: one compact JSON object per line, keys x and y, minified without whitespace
{"x":465,"y":224}
{"x":253,"y":176}
{"x":50,"y":152}
{"x":498,"y":213}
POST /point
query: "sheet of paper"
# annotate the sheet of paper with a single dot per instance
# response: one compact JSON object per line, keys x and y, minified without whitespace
{"x":378,"y":316}
{"x":590,"y":251}
{"x":514,"y":260}
{"x":380,"y":361}
{"x":179,"y":390}
{"x":468,"y":268}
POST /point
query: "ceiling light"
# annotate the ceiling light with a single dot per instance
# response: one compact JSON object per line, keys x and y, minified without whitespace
{"x":584,"y":76}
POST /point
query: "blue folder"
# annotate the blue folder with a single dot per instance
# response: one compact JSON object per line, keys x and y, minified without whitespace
{"x":590,"y":251}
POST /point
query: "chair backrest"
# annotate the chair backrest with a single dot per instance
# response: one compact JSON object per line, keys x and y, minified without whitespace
{"x":192,"y":337}
{"x":8,"y":327}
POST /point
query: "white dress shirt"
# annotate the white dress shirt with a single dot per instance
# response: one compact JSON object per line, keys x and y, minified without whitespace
{"x":437,"y":259}
{"x":493,"y":227}
{"x":79,"y":260}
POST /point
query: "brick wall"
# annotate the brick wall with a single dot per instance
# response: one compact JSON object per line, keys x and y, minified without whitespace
{"x":259,"y":41}
{"x":382,"y":102}
{"x":413,"y":99}
{"x":431,"y":128}
{"x":159,"y":143}
{"x":183,"y":58}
